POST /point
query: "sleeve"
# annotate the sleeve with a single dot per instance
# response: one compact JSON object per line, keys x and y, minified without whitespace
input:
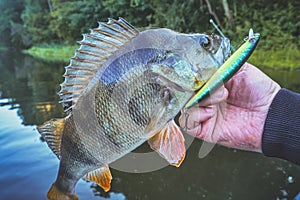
{"x":281,"y":136}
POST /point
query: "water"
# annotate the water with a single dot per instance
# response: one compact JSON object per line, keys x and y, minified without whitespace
{"x":28,"y":97}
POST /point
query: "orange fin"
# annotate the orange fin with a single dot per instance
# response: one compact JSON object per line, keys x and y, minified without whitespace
{"x":52,"y":132}
{"x":101,"y":176}
{"x":154,"y":118}
{"x":158,"y":111}
{"x":169,"y":143}
{"x":54,"y":194}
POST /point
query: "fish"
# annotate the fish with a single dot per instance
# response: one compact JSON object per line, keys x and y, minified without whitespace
{"x":227,"y":70}
{"x":124,"y":87}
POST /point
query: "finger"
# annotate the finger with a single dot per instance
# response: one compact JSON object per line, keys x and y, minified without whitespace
{"x":195,"y":116}
{"x":215,"y":97}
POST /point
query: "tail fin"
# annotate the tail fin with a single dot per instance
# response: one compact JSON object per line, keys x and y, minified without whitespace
{"x":55,"y":194}
{"x":51,"y":132}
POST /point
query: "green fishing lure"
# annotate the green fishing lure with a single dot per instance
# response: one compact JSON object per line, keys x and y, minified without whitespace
{"x":227,"y":70}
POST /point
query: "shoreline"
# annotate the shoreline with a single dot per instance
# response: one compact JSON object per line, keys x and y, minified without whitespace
{"x":283,"y":59}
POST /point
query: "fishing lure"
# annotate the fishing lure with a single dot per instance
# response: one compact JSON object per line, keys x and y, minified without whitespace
{"x":227,"y":70}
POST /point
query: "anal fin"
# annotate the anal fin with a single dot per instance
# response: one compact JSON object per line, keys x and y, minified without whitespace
{"x":100,"y":176}
{"x":169,"y":143}
{"x":51,"y":132}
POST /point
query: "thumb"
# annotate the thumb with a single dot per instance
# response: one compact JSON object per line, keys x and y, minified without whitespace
{"x":215,"y":97}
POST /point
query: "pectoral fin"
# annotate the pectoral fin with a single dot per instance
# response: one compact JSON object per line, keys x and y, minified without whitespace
{"x":154,"y":119}
{"x":158,"y":111}
{"x":101,"y":176}
{"x":169,"y":143}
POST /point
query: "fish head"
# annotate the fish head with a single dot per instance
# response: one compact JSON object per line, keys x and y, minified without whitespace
{"x":211,"y":52}
{"x":194,"y":61}
{"x":214,"y":45}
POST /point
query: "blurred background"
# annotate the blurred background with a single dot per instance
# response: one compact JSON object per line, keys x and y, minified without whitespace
{"x":56,"y":23}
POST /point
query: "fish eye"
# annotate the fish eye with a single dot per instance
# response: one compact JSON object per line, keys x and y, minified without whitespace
{"x":205,"y":43}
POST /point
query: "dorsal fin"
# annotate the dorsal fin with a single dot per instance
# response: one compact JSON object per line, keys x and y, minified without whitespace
{"x":96,"y":47}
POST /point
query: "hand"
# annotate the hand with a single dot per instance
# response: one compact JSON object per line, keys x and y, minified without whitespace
{"x":235,"y":114}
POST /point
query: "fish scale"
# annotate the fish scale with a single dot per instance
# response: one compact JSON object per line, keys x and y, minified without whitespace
{"x":139,"y":113}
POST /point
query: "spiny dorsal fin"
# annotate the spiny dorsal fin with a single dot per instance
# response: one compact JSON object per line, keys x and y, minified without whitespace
{"x":96,"y":47}
{"x":51,"y":132}
{"x":101,"y":176}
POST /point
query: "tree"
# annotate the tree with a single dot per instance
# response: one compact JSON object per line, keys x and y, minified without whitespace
{"x":137,"y":12}
{"x":9,"y":16}
{"x":31,"y":22}
{"x":36,"y":19}
{"x":228,"y":14}
{"x":213,"y":13}
{"x":71,"y":19}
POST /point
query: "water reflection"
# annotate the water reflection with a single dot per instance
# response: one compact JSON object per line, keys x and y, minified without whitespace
{"x":28,"y":96}
{"x":31,"y":86}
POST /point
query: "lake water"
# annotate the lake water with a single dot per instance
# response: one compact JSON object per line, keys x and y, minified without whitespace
{"x":28,"y":98}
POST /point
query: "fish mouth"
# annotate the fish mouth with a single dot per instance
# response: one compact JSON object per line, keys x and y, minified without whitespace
{"x":198,"y":83}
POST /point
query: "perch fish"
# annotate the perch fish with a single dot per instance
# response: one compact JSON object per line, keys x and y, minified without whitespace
{"x":124,"y":87}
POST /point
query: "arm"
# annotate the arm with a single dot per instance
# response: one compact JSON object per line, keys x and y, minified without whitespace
{"x":281,"y":136}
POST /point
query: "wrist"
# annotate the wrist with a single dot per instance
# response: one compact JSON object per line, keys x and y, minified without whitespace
{"x":281,"y":133}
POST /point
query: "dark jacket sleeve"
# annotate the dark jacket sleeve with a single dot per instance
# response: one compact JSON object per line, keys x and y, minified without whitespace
{"x":281,"y":137}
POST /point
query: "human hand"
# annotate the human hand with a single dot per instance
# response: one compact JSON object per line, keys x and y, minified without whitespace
{"x":235,"y":114}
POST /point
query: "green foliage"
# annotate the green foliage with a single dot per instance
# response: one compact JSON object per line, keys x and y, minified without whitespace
{"x":277,"y":22}
{"x":10,"y":15}
{"x":36,"y":18}
{"x":71,"y":19}
{"x":287,"y":59}
{"x":60,"y":53}
{"x":138,"y":12}
{"x":10,"y":11}
{"x":180,"y":15}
